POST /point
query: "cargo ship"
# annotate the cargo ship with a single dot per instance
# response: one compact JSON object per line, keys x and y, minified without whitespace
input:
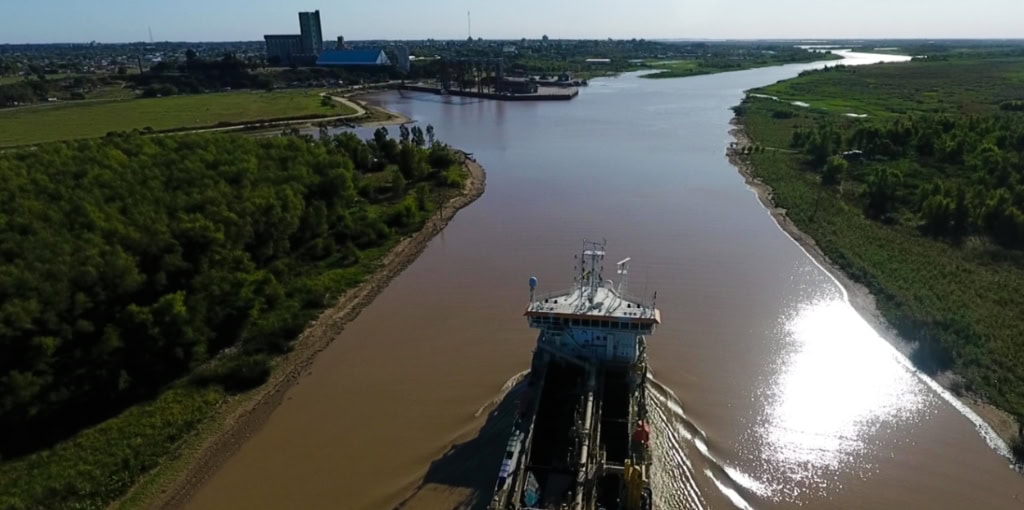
{"x":580,"y":438}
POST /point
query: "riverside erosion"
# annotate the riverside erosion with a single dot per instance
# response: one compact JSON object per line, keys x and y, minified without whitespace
{"x":771,"y":391}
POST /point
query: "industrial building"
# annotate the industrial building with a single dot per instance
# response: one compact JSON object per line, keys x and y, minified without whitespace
{"x":300,"y":49}
{"x":311,"y":34}
{"x":353,"y":58}
{"x":281,"y":48}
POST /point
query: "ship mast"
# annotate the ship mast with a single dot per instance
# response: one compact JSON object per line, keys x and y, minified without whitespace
{"x":590,"y":274}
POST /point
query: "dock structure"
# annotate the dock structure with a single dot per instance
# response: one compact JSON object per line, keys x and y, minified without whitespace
{"x":485,"y":78}
{"x":541,"y":94}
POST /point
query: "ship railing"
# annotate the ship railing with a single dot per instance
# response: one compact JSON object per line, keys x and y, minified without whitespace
{"x":647,"y":311}
{"x":552,"y":295}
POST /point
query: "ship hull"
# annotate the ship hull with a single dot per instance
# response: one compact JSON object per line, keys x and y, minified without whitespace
{"x":574,"y":443}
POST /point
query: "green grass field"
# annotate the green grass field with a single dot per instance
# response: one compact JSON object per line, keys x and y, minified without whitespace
{"x":684,"y":68}
{"x":955,"y":87}
{"x":69,"y":120}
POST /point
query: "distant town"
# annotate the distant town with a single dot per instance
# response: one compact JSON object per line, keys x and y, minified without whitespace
{"x":307,"y":59}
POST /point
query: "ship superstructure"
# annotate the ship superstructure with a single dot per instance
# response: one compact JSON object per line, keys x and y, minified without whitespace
{"x":580,"y":438}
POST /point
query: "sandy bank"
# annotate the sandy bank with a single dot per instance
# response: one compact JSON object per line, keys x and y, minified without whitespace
{"x":244,"y":415}
{"x":860,"y":297}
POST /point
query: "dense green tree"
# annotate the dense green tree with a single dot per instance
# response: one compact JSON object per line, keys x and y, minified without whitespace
{"x":417,"y":137}
{"x":881,"y":191}
{"x":834,"y":171}
{"x":975,"y":184}
{"x":127,"y":262}
{"x":937,"y":212}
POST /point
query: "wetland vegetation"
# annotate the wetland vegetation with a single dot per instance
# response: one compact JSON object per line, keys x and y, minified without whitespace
{"x":911,"y":178}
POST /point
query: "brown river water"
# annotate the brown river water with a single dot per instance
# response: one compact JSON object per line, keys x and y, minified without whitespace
{"x":772,"y":391}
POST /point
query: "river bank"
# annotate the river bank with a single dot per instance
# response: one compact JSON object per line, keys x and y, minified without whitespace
{"x":860,"y":297}
{"x":173,"y":483}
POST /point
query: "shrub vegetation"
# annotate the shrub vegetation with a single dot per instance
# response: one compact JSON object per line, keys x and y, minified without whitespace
{"x":168,"y":271}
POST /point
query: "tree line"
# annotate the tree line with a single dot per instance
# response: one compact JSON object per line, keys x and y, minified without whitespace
{"x":39,"y":88}
{"x":951,"y":176}
{"x":128,"y":262}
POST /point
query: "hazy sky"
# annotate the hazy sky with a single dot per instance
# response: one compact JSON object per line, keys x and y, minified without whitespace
{"x":36,"y":21}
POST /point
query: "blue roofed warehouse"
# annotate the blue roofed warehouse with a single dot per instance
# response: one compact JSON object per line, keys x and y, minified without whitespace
{"x":344,"y":58}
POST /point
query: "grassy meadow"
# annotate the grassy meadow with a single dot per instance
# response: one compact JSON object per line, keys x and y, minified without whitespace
{"x":684,"y":68}
{"x":69,"y":120}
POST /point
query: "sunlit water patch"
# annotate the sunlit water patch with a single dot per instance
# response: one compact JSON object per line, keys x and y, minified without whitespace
{"x":838,"y":384}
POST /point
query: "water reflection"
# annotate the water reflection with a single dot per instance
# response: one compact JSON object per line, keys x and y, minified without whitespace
{"x":839,"y":383}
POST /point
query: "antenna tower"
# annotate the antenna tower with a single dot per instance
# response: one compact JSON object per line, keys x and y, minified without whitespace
{"x":622,"y":268}
{"x":469,"y":25}
{"x":150,"y":35}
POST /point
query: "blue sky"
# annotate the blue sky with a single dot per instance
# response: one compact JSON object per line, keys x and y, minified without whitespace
{"x":36,"y":21}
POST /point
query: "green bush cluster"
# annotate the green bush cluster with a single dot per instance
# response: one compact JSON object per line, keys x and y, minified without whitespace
{"x":130,"y":262}
{"x":99,"y":465}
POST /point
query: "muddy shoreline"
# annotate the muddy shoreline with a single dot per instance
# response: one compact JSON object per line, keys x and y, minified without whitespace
{"x":244,"y":420}
{"x":859,"y":296}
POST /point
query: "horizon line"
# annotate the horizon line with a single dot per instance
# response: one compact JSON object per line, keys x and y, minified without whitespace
{"x":648,"y":39}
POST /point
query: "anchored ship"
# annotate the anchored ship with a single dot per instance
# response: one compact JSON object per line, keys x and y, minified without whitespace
{"x":581,"y":438}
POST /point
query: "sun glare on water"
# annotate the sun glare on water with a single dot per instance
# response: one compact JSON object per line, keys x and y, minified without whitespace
{"x":838,"y":384}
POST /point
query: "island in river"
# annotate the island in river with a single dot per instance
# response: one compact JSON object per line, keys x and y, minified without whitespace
{"x":909,"y":178}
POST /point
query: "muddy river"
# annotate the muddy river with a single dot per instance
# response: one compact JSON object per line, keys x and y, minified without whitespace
{"x":773,"y":391}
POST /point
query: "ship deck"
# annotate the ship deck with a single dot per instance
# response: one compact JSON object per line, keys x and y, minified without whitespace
{"x":606,"y":303}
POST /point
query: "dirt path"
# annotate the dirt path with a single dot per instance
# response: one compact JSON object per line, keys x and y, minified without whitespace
{"x":860,"y":296}
{"x":361,"y":109}
{"x":247,"y":419}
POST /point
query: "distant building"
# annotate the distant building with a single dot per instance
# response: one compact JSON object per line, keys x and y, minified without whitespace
{"x":516,"y":86}
{"x":361,"y":58}
{"x":312,"y":37}
{"x":340,"y":45}
{"x":301,"y":49}
{"x":282,"y":48}
{"x":402,"y":56}
{"x":598,"y":61}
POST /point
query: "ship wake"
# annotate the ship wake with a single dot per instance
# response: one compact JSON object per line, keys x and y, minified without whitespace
{"x":683,"y":460}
